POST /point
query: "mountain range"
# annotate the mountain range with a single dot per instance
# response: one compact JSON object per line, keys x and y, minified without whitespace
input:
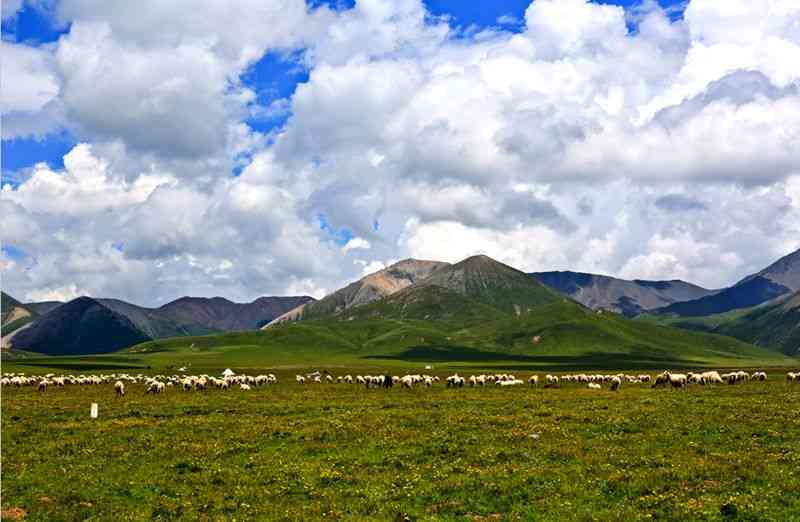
{"x":475,"y":311}
{"x":778,"y":279}
{"x":629,"y":298}
{"x":760,"y":309}
{"x":89,"y":325}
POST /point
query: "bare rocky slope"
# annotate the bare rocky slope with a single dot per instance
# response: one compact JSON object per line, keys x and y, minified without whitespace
{"x":630,"y":298}
{"x":370,"y":288}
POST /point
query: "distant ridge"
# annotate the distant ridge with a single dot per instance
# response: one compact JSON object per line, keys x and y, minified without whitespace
{"x":84,"y":325}
{"x":221,"y":314}
{"x":780,"y":278}
{"x":631,"y":298}
{"x":87,"y":325}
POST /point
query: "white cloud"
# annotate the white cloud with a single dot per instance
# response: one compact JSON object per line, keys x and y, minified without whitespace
{"x":553,"y":148}
{"x":357,"y":243}
{"x":30,"y":89}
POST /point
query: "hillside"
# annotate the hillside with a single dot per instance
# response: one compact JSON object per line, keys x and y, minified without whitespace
{"x":366,"y":290}
{"x":775,"y":325}
{"x":43,"y":307}
{"x":561,"y":334}
{"x":111,"y":324}
{"x":13,"y":314}
{"x":778,"y":279}
{"x":630,"y":298}
{"x":493,"y":283}
{"x":154,"y":323}
{"x":84,"y":325}
{"x":223,"y":315}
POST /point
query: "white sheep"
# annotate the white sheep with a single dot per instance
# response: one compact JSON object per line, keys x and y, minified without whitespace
{"x":593,"y":386}
{"x":43,"y":384}
{"x":711,"y":377}
{"x":616,"y":382}
{"x":454,"y":381}
{"x":533,"y":380}
{"x":244,"y":386}
{"x":300,"y":379}
{"x":155,"y":387}
{"x":119,"y":387}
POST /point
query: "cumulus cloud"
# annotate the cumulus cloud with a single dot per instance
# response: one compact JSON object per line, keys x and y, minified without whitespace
{"x":357,"y":243}
{"x":30,"y":92}
{"x":564,"y":142}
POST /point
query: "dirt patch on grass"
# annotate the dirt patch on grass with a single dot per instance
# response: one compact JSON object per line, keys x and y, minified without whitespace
{"x":14,"y":513}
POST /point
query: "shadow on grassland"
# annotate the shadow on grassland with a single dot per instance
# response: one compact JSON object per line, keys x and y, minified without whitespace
{"x":88,"y":364}
{"x":598,"y":360}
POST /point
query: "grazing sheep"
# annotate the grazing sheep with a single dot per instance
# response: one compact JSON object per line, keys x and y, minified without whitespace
{"x":616,"y":382}
{"x":593,"y":386}
{"x":155,"y":387}
{"x":675,"y":380}
{"x":533,"y":380}
{"x":119,"y":387}
{"x":793,"y":377}
{"x":759,"y":376}
{"x":300,"y":379}
{"x":42,"y":386}
{"x":551,"y":381}
{"x":454,"y":381}
{"x":244,"y":386}
{"x":711,"y":377}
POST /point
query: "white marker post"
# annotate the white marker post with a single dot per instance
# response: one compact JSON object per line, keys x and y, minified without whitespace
{"x":94,"y":410}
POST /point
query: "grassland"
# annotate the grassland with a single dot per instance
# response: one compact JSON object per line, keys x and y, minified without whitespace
{"x":342,"y":452}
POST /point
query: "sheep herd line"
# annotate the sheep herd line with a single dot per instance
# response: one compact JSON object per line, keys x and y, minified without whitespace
{"x":160,"y":383}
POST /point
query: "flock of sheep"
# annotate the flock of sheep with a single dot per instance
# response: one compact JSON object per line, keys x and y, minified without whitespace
{"x":153,"y":384}
{"x":159,"y":383}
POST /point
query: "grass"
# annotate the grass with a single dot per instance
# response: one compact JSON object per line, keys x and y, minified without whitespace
{"x":342,"y":452}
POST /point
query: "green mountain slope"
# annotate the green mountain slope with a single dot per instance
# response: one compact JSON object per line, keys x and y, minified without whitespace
{"x":560,"y":334}
{"x":774,"y":325}
{"x":493,"y":283}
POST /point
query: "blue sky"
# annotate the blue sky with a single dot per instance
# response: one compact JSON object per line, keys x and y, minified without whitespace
{"x":273,"y":77}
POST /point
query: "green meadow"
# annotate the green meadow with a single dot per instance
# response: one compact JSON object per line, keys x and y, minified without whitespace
{"x":344,"y":452}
